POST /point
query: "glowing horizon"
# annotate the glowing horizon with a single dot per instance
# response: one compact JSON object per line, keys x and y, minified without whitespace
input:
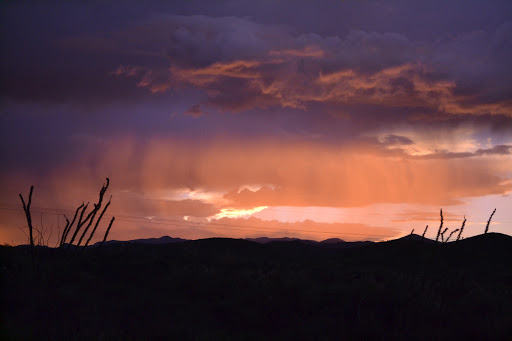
{"x":224,"y":120}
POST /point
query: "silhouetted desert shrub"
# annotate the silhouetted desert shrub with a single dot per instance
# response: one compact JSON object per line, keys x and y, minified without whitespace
{"x":80,"y":212}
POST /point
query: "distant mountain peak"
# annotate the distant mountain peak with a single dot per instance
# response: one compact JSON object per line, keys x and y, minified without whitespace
{"x":332,"y":241}
{"x":264,"y":240}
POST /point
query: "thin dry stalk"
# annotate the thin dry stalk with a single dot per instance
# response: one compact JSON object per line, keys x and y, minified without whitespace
{"x":489,"y":221}
{"x":96,"y":209}
{"x":26,"y":208}
{"x":108,"y":230}
{"x":442,"y":234}
{"x":39,"y":236}
{"x":97,"y":223}
{"x":21,"y":228}
{"x":440,"y":226}
{"x":423,"y":235}
{"x":451,"y":233}
{"x":78,"y":225}
{"x":50,"y":236}
{"x":69,"y":225}
{"x":58,"y":231}
{"x":461,"y":229}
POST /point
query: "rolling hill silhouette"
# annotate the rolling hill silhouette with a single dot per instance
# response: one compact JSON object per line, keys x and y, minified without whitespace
{"x":220,"y":288}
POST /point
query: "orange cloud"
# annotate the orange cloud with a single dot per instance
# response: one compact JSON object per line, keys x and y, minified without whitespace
{"x":300,"y":174}
{"x":146,"y":179}
{"x":279,"y":82}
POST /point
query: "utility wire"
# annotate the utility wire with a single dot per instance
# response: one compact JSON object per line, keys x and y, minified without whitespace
{"x":182,"y":223}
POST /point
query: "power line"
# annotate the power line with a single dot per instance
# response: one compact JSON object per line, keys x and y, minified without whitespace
{"x":181,"y":223}
{"x":216,"y":225}
{"x":280,"y":209}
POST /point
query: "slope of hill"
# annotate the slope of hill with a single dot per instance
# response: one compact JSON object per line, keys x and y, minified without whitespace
{"x":222,"y":288}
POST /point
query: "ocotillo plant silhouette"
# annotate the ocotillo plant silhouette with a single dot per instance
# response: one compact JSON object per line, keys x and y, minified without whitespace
{"x":442,"y":234}
{"x":423,"y":235}
{"x":108,"y":230}
{"x":440,"y":226}
{"x":95,"y":210}
{"x":489,"y":221}
{"x":80,"y":212}
{"x":67,"y":228}
{"x":451,"y":233}
{"x":88,"y":220}
{"x":97,"y":222}
{"x":462,"y":228}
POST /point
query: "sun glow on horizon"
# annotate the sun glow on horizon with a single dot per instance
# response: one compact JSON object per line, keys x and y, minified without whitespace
{"x":234,"y":213}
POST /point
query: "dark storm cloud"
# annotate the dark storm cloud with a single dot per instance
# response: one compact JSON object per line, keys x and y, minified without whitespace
{"x":496,"y":150}
{"x":304,"y":73}
{"x":392,"y":140}
{"x":242,"y":65}
{"x":78,"y":45}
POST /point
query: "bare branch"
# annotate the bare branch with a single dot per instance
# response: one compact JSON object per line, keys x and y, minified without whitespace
{"x":95,"y":210}
{"x":38,"y":236}
{"x":97,"y":222}
{"x":78,"y":225}
{"x":423,"y":235}
{"x":489,"y":221}
{"x":442,"y":234}
{"x":26,"y":208}
{"x":451,"y":233}
{"x":43,"y":230}
{"x":51,"y":232}
{"x":58,"y":231}
{"x":461,"y":229}
{"x":25,"y":233}
{"x":108,"y":230}
{"x":69,"y":225}
{"x":440,"y":226}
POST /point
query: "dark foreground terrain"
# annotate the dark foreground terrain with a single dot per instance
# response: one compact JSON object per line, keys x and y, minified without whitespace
{"x":227,"y":289}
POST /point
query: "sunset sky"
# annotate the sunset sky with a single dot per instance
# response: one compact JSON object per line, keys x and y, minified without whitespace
{"x":311,"y":119}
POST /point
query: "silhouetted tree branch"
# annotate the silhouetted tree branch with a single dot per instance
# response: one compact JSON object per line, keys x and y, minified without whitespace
{"x":26,"y":208}
{"x":489,"y":221}
{"x":97,"y":222}
{"x":442,"y":234}
{"x":94,"y":212}
{"x":451,"y":233}
{"x":108,"y":230}
{"x":440,"y":226}
{"x":461,"y":229}
{"x":68,"y":225}
{"x":78,"y":225}
{"x":96,"y":209}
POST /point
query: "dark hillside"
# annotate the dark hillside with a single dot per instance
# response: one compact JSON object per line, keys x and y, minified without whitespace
{"x":217,"y":289}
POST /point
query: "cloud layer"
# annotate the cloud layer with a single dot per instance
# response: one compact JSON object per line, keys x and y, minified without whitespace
{"x":197,"y":108}
{"x":241,"y":65}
